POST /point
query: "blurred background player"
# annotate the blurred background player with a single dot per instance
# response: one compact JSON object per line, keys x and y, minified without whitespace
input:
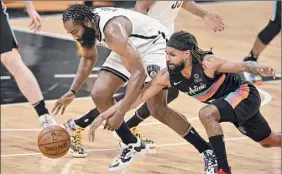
{"x":165,"y":12}
{"x":12,"y":60}
{"x":265,"y":36}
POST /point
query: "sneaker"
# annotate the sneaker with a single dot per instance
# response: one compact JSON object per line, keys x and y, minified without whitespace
{"x":75,"y":132}
{"x":129,"y":154}
{"x":150,"y":143}
{"x":210,"y":162}
{"x":46,"y":120}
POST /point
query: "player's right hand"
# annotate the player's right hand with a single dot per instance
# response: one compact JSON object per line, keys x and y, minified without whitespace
{"x":63,"y":102}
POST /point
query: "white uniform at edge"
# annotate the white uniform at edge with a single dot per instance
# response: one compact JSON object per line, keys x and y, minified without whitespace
{"x":142,"y":25}
{"x":146,"y":37}
{"x":165,"y":12}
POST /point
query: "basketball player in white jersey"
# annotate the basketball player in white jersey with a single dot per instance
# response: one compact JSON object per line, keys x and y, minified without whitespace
{"x":165,"y":12}
{"x":138,"y":53}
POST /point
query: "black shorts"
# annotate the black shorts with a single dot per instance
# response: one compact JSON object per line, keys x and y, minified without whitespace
{"x":241,"y":108}
{"x":7,"y":37}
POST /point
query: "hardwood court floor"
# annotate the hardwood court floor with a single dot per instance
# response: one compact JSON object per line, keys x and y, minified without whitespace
{"x":244,"y":20}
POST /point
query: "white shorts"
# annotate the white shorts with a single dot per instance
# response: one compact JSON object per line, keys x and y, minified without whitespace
{"x":153,"y":57}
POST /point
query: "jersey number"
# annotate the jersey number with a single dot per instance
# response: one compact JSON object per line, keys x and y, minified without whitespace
{"x":176,"y":5}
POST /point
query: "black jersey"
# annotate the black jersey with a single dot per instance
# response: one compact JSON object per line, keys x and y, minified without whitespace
{"x":204,"y":88}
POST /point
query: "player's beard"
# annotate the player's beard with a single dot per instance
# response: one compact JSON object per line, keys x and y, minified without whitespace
{"x":88,"y":38}
{"x":177,"y":68}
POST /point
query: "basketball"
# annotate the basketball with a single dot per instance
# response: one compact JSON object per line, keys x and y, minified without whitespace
{"x":54,"y":142}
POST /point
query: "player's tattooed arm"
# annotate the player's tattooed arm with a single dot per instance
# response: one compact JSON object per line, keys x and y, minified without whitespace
{"x":143,"y":6}
{"x":252,"y":67}
{"x":117,"y":34}
{"x":215,"y":64}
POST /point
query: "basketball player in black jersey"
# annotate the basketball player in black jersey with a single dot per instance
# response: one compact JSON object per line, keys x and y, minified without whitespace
{"x":214,"y":81}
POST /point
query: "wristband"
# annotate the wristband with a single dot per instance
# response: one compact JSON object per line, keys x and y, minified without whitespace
{"x":73,"y":92}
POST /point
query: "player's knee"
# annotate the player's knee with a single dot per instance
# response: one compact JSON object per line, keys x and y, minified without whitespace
{"x":273,"y":140}
{"x":207,"y":114}
{"x":157,"y":110}
{"x":269,"y":32}
{"x":11,"y":59}
{"x":98,"y":95}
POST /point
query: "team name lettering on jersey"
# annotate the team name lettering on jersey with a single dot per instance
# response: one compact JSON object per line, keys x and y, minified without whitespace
{"x":195,"y":89}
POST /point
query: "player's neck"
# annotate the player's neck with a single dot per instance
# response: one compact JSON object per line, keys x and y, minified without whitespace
{"x":187,"y":71}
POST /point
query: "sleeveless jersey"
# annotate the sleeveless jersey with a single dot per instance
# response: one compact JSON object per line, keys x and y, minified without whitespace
{"x":165,"y":12}
{"x":203,"y":88}
{"x":145,"y":30}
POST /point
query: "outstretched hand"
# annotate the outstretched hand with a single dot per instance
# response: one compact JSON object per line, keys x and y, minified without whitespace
{"x":63,"y":102}
{"x":214,"y":21}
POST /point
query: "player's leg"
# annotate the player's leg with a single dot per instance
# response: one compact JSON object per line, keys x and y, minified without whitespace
{"x":143,"y":112}
{"x":24,"y":78}
{"x":238,"y":106}
{"x":265,"y":36}
{"x":179,"y":123}
{"x":258,"y":130}
{"x":102,"y":94}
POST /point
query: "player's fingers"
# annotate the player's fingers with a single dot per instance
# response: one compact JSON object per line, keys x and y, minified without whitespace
{"x":31,"y":23}
{"x":63,"y":109}
{"x":32,"y":26}
{"x":58,"y":109}
{"x":55,"y":106}
{"x":106,"y":125}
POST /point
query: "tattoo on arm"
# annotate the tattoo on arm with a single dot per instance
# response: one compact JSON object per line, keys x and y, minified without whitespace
{"x":252,"y":67}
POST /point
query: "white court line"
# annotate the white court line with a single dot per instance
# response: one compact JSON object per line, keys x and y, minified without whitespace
{"x":71,"y":75}
{"x":47,"y":101}
{"x":5,"y":77}
{"x":266,"y":97}
{"x":142,"y":124}
{"x":86,"y":98}
{"x":114,"y":149}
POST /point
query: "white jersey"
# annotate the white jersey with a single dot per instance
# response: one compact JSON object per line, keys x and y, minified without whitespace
{"x":165,"y":12}
{"x":144,"y":29}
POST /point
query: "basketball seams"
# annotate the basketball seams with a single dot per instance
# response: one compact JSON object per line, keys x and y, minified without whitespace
{"x":53,"y":142}
{"x":50,"y":131}
{"x":55,"y":153}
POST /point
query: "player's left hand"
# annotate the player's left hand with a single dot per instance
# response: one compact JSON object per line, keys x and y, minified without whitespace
{"x":214,"y":21}
{"x":114,"y":119}
{"x":35,"y":23}
{"x":95,"y":124}
{"x":266,"y":71}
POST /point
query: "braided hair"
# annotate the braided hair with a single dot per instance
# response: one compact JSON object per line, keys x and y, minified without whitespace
{"x":189,"y":40}
{"x":80,"y":14}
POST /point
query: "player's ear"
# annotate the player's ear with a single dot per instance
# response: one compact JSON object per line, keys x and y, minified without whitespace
{"x":87,"y":24}
{"x":187,"y":54}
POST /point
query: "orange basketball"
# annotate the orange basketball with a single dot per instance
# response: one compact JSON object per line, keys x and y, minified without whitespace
{"x":54,"y":142}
